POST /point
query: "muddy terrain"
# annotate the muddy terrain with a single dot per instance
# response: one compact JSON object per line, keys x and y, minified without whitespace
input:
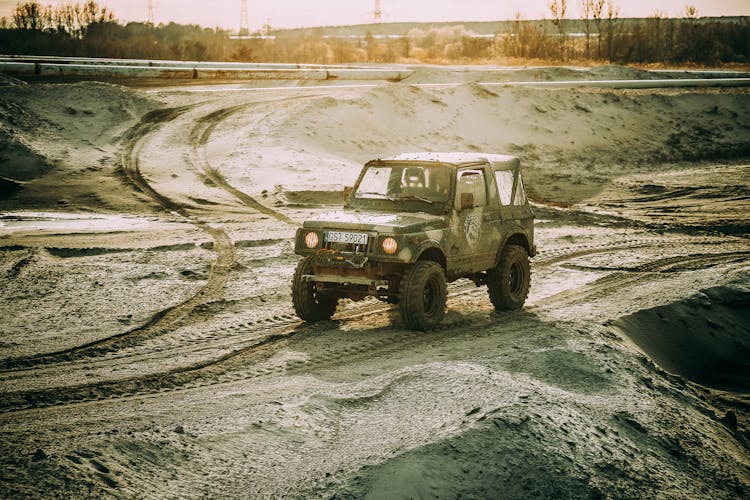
{"x":148,"y":346}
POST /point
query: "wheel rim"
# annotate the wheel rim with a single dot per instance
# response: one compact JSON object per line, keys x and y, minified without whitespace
{"x":515,"y":279}
{"x":430,"y":297}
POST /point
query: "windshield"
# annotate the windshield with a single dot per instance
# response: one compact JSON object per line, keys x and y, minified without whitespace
{"x":428,"y":185}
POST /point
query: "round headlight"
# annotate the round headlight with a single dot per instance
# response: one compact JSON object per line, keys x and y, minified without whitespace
{"x":311,"y":239}
{"x":390,"y":245}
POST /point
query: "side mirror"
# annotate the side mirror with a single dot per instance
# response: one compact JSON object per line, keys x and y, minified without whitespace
{"x":347,"y":191}
{"x":467,"y":201}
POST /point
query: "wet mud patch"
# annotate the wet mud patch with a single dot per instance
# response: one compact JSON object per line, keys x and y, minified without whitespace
{"x":704,"y":338}
{"x":194,"y":274}
{"x":65,"y":253}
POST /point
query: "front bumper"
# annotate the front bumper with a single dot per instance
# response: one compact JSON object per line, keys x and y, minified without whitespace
{"x":345,"y":280}
{"x":353,"y":256}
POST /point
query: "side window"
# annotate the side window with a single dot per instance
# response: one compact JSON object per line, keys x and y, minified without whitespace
{"x":520,"y":198}
{"x":472,"y":181}
{"x":504,"y":180}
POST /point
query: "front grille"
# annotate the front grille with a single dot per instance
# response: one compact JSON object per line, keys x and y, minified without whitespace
{"x":350,"y":247}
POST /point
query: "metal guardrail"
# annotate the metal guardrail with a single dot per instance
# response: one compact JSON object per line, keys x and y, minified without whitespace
{"x":49,"y":66}
{"x":189,"y":64}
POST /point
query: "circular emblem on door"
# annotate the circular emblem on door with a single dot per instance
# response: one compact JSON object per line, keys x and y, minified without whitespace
{"x":472,"y":229}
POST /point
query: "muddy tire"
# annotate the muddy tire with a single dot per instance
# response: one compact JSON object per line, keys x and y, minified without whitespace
{"x":508,"y":283}
{"x":423,"y":294}
{"x":308,"y":303}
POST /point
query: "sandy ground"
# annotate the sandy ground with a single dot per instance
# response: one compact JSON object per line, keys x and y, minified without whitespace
{"x":148,"y":347}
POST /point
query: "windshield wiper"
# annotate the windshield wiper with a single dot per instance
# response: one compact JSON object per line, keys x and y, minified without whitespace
{"x":416,"y":197}
{"x":382,"y":196}
{"x":372,"y":195}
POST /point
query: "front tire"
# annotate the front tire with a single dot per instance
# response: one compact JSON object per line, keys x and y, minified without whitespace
{"x":309,"y":304}
{"x":423,"y":295}
{"x":508,"y":282}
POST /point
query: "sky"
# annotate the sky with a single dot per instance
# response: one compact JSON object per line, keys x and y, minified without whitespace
{"x":299,"y":13}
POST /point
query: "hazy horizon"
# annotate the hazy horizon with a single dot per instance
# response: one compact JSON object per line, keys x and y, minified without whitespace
{"x":295,"y":13}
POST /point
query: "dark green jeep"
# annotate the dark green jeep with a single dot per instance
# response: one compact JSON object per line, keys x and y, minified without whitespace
{"x":413,"y":222}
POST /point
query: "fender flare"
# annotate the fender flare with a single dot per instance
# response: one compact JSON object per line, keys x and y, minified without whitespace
{"x":423,"y":247}
{"x":513,"y":237}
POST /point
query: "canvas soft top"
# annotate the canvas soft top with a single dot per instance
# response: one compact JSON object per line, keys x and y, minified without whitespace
{"x":498,"y":161}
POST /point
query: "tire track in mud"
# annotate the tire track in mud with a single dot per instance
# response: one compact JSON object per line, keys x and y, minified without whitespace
{"x":199,"y":136}
{"x":286,"y":317}
{"x":224,"y":247}
{"x":348,"y":311}
{"x":168,"y":318}
{"x":630,"y":276}
{"x":247,"y":361}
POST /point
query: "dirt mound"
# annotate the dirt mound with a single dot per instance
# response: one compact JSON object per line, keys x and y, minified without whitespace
{"x":595,"y":133}
{"x":548,"y":74}
{"x":614,"y":72}
{"x":62,"y":140}
{"x":477,"y":464}
{"x":428,"y":74}
{"x":431,"y":74}
{"x":705,"y":338}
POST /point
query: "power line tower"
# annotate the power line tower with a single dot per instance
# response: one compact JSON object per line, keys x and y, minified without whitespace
{"x":150,"y":15}
{"x":244,"y":24}
{"x":377,"y":14}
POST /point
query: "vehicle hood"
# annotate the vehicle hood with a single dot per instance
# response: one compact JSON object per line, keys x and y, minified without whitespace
{"x":400,"y":222}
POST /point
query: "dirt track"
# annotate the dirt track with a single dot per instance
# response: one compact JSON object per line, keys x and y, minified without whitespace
{"x":156,"y":353}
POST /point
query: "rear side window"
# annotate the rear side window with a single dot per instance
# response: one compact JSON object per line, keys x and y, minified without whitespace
{"x":504,"y":180}
{"x":520,"y":198}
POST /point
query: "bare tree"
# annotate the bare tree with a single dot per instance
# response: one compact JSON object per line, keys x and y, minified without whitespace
{"x":28,"y":16}
{"x":654,"y":37}
{"x":597,"y":10}
{"x":558,"y":9}
{"x":691,"y":44}
{"x":587,"y":8}
{"x":613,"y":13}
{"x":514,"y":45}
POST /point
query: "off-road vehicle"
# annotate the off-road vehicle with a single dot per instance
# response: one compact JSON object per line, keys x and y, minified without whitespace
{"x":412,"y":222}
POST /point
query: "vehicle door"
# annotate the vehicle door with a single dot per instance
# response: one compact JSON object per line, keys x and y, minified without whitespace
{"x":470,"y":249}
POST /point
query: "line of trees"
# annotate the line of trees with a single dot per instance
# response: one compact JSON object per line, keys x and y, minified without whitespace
{"x":599,"y":34}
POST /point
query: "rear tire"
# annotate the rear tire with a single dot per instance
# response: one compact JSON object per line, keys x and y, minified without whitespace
{"x":508,"y":282}
{"x":423,"y":295}
{"x":309,"y":304}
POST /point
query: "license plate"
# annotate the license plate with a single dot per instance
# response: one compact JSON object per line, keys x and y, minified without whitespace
{"x":343,"y":237}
